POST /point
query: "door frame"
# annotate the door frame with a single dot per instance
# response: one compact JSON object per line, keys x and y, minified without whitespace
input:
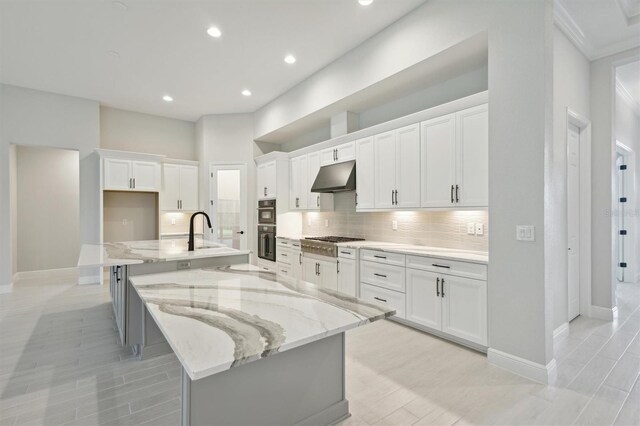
{"x":584,"y":125}
{"x":212,"y":208}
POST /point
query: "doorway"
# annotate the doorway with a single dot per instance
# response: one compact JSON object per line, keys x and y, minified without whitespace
{"x":228,"y":204}
{"x":624,"y":226}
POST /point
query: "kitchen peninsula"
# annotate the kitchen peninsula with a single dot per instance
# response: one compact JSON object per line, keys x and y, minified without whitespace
{"x":131,"y":258}
{"x":255,"y":348}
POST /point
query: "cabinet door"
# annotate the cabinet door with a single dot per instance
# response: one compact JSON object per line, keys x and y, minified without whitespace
{"x":327,"y":156}
{"x":271,"y":179}
{"x":309,"y":270}
{"x":347,"y":276}
{"x":261,"y":184}
{"x":345,"y":152}
{"x":329,"y":274}
{"x":365,"y":174}
{"x":146,"y":176}
{"x":438,"y":161}
{"x":313,"y":199}
{"x":464,"y":308}
{"x":294,"y":183}
{"x":424,"y":304}
{"x":296,"y":264}
{"x":472,"y":152}
{"x":170,"y":199}
{"x":385,"y":169}
{"x":305,"y":186}
{"x":189,"y":188}
{"x":117,"y":174}
{"x":408,"y":166}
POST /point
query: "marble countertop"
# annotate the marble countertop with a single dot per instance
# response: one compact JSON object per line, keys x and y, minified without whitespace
{"x":152,"y":251}
{"x":416,"y":250}
{"x":219,"y":318}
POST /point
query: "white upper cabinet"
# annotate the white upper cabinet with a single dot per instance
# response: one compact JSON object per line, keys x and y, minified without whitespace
{"x":266,"y":181}
{"x":397,"y":168}
{"x":299,"y":183}
{"x":313,"y":167}
{"x":131,"y":175}
{"x":180,"y":187}
{"x":472,"y":154}
{"x":455,"y":163}
{"x":365,"y":174}
{"x":338,"y":154}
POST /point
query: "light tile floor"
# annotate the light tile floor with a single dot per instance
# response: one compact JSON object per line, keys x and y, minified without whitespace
{"x":60,"y":364}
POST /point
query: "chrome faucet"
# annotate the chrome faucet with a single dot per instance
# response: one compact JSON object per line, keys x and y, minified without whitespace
{"x":192,"y":240}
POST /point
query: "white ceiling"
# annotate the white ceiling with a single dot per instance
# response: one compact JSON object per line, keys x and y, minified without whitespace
{"x":68,"y":47}
{"x":629,"y":76}
{"x":600,"y":27}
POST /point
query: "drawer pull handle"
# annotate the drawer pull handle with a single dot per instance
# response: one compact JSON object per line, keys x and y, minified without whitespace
{"x":382,"y":300}
{"x":345,"y":252}
{"x":442,"y":287}
{"x":380,"y":275}
{"x":440,"y":266}
{"x":438,"y":287}
{"x":283,"y":255}
{"x":282,"y":270}
{"x":379,"y":257}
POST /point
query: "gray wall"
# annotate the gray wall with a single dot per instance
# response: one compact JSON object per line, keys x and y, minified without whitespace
{"x":520,"y":82}
{"x":48,"y":199}
{"x":35,"y":118}
{"x":570,"y":90}
{"x":138,"y":132}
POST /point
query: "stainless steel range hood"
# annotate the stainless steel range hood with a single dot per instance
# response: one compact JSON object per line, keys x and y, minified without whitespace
{"x":336,"y":178}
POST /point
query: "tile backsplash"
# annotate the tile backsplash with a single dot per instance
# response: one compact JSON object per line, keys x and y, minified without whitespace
{"x":431,"y":228}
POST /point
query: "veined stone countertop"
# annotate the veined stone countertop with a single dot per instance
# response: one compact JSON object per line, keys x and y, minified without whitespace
{"x":222,"y":317}
{"x":152,"y":251}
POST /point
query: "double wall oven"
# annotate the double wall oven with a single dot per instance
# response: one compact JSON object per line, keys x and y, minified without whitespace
{"x":267,"y":230}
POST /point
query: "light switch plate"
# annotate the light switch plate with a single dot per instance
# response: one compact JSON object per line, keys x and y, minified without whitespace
{"x":525,"y":233}
{"x":479,"y":228}
{"x":394,"y":225}
{"x":471,"y":228}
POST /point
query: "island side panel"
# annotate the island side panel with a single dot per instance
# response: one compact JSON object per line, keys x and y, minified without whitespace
{"x":301,"y":386}
{"x":142,"y":333}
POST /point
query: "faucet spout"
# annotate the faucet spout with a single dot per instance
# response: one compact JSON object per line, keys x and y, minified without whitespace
{"x":192,"y":240}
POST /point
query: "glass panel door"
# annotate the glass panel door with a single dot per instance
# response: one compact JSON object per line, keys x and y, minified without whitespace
{"x":228,"y":205}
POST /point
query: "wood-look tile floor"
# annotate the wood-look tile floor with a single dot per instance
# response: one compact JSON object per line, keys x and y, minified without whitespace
{"x":60,"y":364}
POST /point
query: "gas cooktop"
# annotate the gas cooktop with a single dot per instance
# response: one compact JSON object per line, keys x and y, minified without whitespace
{"x":325,"y":246}
{"x":333,"y":239}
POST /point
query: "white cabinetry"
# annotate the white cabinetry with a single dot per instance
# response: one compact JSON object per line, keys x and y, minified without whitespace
{"x":397,"y":160}
{"x":455,"y":165}
{"x":347,"y":271}
{"x":272,"y":179}
{"x":313,"y":164}
{"x":180,"y":187}
{"x":267,"y":178}
{"x":365,"y":174}
{"x":338,"y":154}
{"x":464,"y":308}
{"x":319,"y":271}
{"x":303,"y":172}
{"x":131,"y":175}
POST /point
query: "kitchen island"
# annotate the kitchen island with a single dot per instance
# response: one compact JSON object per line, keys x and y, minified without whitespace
{"x":255,"y":348}
{"x":131,"y":258}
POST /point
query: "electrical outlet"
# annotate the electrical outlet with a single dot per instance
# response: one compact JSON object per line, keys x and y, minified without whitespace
{"x":326,"y":223}
{"x":173,"y":220}
{"x":471,"y":228}
{"x":184,"y":264}
{"x":479,"y":228}
{"x":124,"y":222}
{"x":394,"y":225}
{"x":525,"y":233}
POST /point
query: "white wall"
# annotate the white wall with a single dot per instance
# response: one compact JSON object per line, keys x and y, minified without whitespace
{"x":48,"y":199}
{"x":223,"y":139}
{"x":520,"y":77}
{"x":571,"y":89}
{"x":32,"y":117}
{"x":137,"y":132}
{"x":602,"y":169}
{"x":130,"y":216}
{"x":13,"y":203}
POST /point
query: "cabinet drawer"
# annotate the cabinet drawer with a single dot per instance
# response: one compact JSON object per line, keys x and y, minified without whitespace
{"x":383,"y":296}
{"x":348,"y":253}
{"x":387,"y":276}
{"x":283,"y":270}
{"x":383,"y":257}
{"x":283,"y":255}
{"x":451,"y":267}
{"x":281,"y":242}
{"x":265,"y":265}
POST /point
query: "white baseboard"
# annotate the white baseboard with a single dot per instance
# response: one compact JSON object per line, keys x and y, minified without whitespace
{"x":90,"y":279}
{"x":606,"y":314}
{"x":544,"y":374}
{"x":44,"y":272}
{"x":5,"y":289}
{"x":561,"y":331}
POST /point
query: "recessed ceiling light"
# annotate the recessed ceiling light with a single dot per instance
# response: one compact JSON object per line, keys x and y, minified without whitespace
{"x":246,"y":92}
{"x":214,"y":32}
{"x":167,"y":98}
{"x":365,"y":2}
{"x":290,"y":59}
{"x":113,"y":54}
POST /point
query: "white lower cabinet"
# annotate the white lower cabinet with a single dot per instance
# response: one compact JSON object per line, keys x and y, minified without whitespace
{"x":464,"y":308}
{"x":347,"y":272}
{"x":382,"y":296}
{"x":320,"y":272}
{"x":424,"y":304}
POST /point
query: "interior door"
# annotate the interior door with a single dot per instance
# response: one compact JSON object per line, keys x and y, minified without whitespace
{"x":424,"y":304}
{"x":573,"y":220}
{"x":385,"y":169}
{"x":464,"y":308}
{"x":438,"y":147}
{"x":170,"y":197}
{"x":408,"y":166}
{"x":228,"y":204}
{"x":472,"y":152}
{"x":365,"y":174}
{"x":117,"y":174}
{"x":146,"y":176}
{"x":189,"y":188}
